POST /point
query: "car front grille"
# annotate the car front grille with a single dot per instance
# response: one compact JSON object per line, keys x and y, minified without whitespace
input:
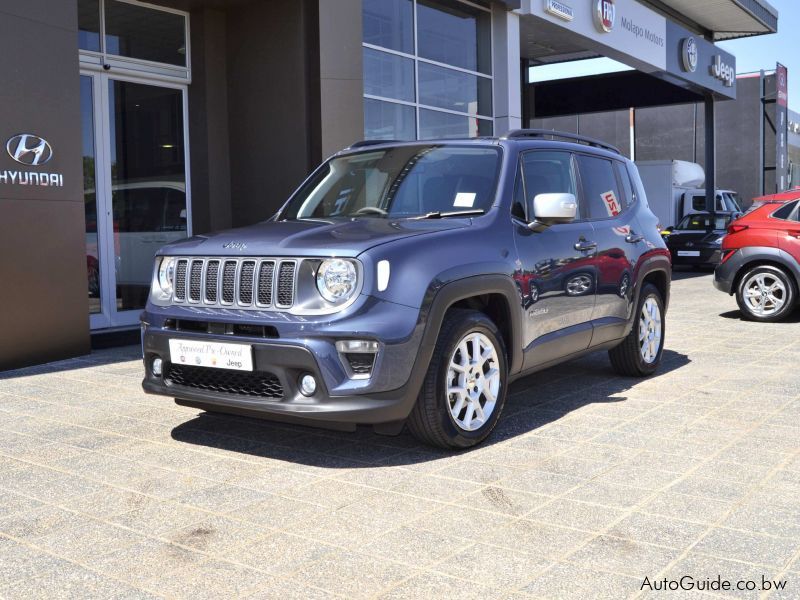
{"x":224,"y":381}
{"x":239,"y":282}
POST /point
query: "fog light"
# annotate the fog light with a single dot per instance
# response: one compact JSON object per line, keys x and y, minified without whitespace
{"x":308,"y":385}
{"x":356,"y":346}
{"x":157,"y":364}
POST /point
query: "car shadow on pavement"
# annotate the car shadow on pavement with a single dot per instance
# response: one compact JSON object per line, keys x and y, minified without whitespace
{"x":680,"y":273}
{"x":532,"y":403}
{"x":737,"y":316}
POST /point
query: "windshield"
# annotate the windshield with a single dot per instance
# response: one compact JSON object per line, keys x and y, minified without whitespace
{"x":405,"y":181}
{"x":702,"y":222}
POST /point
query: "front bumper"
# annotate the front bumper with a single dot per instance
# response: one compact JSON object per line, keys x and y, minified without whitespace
{"x":706,"y":257}
{"x":301,"y":347}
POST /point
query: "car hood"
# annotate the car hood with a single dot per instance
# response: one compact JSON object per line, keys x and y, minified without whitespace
{"x":318,"y":237}
{"x":681,"y":238}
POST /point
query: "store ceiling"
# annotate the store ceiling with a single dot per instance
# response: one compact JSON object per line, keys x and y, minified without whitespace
{"x":727,"y":19}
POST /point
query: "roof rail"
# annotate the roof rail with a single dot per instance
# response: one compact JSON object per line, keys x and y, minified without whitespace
{"x":363,"y":143}
{"x":572,"y":137}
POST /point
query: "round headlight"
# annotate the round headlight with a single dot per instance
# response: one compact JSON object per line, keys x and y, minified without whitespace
{"x":166,"y":274}
{"x":336,"y":280}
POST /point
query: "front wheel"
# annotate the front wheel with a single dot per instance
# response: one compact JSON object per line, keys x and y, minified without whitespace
{"x":640,"y":353}
{"x":465,"y":388}
{"x":765,"y":294}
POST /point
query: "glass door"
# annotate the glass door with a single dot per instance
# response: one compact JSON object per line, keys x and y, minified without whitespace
{"x":135,"y":189}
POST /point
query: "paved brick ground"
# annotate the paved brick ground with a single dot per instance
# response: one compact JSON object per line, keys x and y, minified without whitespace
{"x":590,"y":483}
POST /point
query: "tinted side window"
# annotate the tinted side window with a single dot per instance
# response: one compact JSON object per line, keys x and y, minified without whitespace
{"x":627,"y":198}
{"x":547,"y":173}
{"x":600,"y":189}
{"x":786,"y":212}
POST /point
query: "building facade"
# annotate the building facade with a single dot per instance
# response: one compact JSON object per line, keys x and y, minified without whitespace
{"x":130,"y":124}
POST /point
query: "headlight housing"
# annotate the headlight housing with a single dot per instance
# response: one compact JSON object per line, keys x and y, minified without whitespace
{"x":166,"y":275}
{"x":337,"y":280}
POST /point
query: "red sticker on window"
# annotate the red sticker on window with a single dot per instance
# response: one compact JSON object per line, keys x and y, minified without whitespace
{"x":612,"y":204}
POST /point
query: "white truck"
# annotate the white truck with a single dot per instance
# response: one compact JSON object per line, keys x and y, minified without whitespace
{"x":674,"y":190}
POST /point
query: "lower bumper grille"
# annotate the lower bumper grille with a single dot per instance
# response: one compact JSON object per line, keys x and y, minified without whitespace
{"x":240,"y":383}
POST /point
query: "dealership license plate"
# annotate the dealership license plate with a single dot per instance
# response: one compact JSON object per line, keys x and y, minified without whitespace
{"x":688,"y":252}
{"x":211,"y":354}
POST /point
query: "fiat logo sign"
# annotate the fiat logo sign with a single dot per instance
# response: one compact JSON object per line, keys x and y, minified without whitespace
{"x":605,"y":14}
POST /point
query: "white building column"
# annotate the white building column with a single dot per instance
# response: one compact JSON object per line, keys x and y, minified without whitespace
{"x":506,"y":69}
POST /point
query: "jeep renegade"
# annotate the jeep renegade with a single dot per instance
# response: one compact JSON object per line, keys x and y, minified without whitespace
{"x":408,"y":283}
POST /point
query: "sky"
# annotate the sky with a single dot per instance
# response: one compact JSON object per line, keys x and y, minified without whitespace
{"x":752,"y":54}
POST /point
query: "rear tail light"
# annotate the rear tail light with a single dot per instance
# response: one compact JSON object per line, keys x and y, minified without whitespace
{"x":727,"y":254}
{"x":734,"y":228}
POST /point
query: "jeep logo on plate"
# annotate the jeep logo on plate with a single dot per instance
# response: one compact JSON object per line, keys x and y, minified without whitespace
{"x":29,"y":149}
{"x":605,"y":14}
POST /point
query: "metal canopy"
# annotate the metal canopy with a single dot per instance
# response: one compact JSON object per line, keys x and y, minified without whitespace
{"x":725,"y":19}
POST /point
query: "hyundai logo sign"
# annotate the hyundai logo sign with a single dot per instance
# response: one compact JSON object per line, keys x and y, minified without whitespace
{"x":605,"y":14}
{"x":29,"y":149}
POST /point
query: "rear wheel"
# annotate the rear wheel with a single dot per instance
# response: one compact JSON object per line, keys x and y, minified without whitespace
{"x":465,"y":388}
{"x":765,"y":294}
{"x":640,"y":353}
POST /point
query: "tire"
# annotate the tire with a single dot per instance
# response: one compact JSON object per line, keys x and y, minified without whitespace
{"x":768,"y":301}
{"x":432,"y":421}
{"x":630,"y":358}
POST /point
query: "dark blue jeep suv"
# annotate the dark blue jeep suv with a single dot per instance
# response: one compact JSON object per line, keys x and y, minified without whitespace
{"x":408,"y":283}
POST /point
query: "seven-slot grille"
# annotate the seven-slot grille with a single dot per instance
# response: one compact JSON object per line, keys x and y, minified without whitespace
{"x":235,"y":282}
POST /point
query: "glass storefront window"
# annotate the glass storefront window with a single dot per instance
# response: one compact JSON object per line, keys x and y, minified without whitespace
{"x":388,"y":75}
{"x":389,"y":24}
{"x":455,"y":34}
{"x":388,"y":121}
{"x":454,"y":90}
{"x":90,"y":195}
{"x":140,"y":32}
{"x":436,"y":124}
{"x":89,"y":25}
{"x":439,"y":73}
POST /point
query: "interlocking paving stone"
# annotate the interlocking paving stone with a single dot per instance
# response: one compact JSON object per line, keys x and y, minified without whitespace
{"x":589,"y":483}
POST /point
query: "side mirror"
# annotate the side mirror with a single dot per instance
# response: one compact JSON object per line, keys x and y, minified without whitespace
{"x":670,"y":229}
{"x":552,"y":209}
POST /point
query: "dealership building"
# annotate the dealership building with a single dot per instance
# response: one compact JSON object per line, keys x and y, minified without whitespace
{"x":128,"y":125}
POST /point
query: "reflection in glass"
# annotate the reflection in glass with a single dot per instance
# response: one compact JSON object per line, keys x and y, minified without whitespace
{"x":89,"y":25}
{"x":148,"y":182}
{"x":389,"y":23}
{"x":454,"y":34}
{"x":90,"y":195}
{"x":140,"y":32}
{"x":454,"y":90}
{"x":388,"y":75}
{"x":388,"y":121}
{"x":435,"y":124}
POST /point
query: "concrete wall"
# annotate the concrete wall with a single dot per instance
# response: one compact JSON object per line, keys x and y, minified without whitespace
{"x":268,"y":104}
{"x":43,"y":298}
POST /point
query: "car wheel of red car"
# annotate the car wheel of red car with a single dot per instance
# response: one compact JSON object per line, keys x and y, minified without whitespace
{"x":766,"y":294}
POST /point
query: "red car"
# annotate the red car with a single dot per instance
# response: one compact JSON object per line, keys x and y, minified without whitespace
{"x":761,"y":258}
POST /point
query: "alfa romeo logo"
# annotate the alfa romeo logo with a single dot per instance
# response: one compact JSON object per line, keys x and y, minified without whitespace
{"x":689,"y":54}
{"x":605,"y":14}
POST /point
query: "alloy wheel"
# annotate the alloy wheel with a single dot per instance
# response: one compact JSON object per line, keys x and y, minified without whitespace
{"x":764,"y":294}
{"x":473,"y":381}
{"x":650,"y":330}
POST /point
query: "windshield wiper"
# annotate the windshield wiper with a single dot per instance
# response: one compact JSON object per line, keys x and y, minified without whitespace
{"x":453,"y":213}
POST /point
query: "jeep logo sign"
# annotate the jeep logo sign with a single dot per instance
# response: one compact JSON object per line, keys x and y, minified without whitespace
{"x":722,"y":71}
{"x":29,"y":149}
{"x":605,"y":14}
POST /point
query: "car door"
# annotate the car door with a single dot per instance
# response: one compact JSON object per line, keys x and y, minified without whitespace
{"x":608,"y":197}
{"x":555,"y":268}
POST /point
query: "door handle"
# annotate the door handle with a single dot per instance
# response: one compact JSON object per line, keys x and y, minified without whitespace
{"x":633,"y":238}
{"x":584,"y":246}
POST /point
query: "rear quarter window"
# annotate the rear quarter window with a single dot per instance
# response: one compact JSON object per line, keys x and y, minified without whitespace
{"x":787,"y":212}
